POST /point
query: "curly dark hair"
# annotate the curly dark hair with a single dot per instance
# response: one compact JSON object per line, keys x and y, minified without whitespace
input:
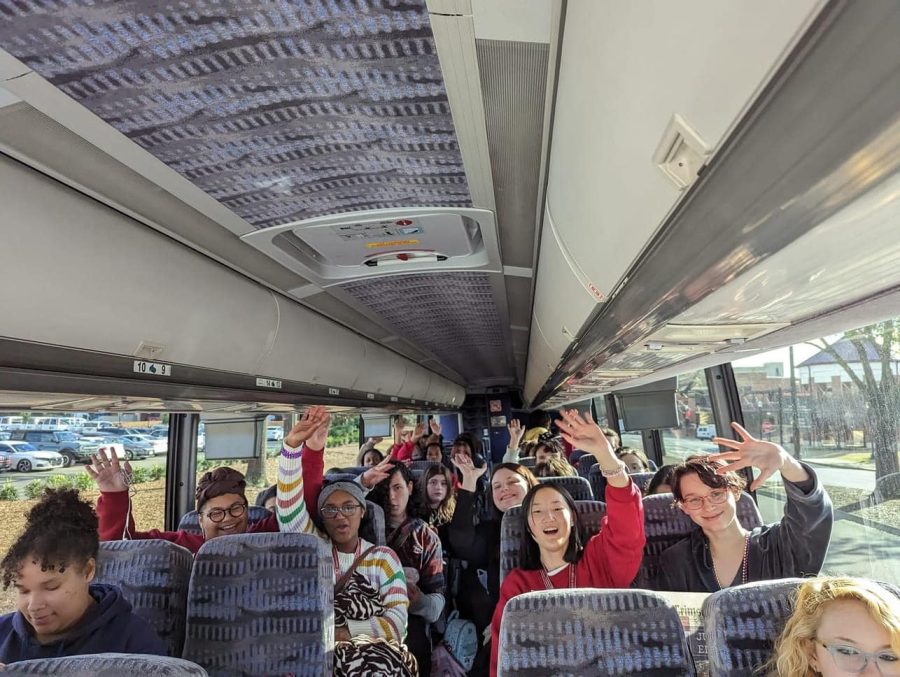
{"x":60,"y":531}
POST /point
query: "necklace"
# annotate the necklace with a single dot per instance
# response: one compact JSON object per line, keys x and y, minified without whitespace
{"x":548,"y":584}
{"x":745,"y":564}
{"x":336,"y":558}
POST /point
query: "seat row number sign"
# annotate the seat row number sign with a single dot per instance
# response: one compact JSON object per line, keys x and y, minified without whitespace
{"x":152,"y":368}
{"x":268,"y":383}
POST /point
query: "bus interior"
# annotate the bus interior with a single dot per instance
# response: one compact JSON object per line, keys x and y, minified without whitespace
{"x":670,"y":215}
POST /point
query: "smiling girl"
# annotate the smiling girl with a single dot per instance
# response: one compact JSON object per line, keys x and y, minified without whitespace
{"x":552,"y":554}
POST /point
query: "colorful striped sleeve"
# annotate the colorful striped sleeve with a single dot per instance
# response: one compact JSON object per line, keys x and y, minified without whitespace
{"x":383,"y":569}
{"x":293,"y":516}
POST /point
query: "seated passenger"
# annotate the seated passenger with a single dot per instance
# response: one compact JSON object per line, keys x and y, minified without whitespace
{"x":419,"y":549}
{"x":437,"y":500}
{"x":612,"y":436}
{"x":220,"y":495}
{"x":370,"y":595}
{"x":434,"y":452}
{"x":840,"y":626}
{"x":266,"y":499}
{"x":465,"y":445}
{"x":61,"y":612}
{"x":541,"y":426}
{"x":555,"y":467}
{"x":635,"y":460}
{"x":661,"y":482}
{"x":551,"y":551}
{"x":476,"y":540}
{"x":368,"y":454}
{"x":719,"y":552}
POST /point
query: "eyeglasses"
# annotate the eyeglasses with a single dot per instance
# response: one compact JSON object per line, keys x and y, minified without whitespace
{"x":851,"y":659}
{"x":715,"y":497}
{"x":329,"y":512}
{"x":218,"y":514}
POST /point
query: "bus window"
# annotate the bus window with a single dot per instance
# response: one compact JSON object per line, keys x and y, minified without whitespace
{"x":35,"y":459}
{"x":832,"y":403}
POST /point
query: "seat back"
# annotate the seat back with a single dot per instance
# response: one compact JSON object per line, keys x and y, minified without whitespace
{"x":262,"y":604}
{"x":190,"y":521}
{"x":372,"y":526}
{"x":590,"y":519}
{"x":153,"y":576}
{"x":528,"y":461}
{"x":743,"y":622}
{"x":107,"y":665}
{"x":585,"y":463}
{"x":340,"y":477}
{"x":577,"y":487}
{"x":641,"y":478}
{"x":597,"y":482}
{"x":665,"y":524}
{"x":417,"y":473}
{"x":577,"y":455}
{"x":592,"y":632}
{"x":421,"y":466}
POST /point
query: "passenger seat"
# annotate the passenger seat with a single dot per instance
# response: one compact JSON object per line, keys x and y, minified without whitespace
{"x":262,"y":604}
{"x":592,"y":632}
{"x":153,"y":576}
{"x":107,"y":665}
{"x":578,"y":487}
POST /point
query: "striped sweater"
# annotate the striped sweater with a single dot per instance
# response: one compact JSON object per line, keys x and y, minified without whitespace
{"x":381,"y":567}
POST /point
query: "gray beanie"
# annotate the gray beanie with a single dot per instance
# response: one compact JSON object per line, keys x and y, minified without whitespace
{"x":351,"y":488}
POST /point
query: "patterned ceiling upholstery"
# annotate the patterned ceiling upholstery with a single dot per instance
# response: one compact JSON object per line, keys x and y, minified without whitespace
{"x":282,"y":111}
{"x":451,"y":314}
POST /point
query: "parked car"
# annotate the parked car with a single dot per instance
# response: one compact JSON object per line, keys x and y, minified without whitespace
{"x":5,"y":462}
{"x":73,"y":448}
{"x":5,"y":434}
{"x":25,"y":457}
{"x":134,"y":449}
{"x":274,"y":433}
{"x":157,"y":445}
{"x":706,"y":432}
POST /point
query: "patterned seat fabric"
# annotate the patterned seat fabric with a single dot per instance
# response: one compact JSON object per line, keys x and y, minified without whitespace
{"x":585,"y":463}
{"x":107,"y":665}
{"x":372,"y":526}
{"x":262,"y":604}
{"x":528,"y":461}
{"x":665,"y":524}
{"x":421,"y":466}
{"x":190,"y":521}
{"x":743,"y":622}
{"x":153,"y":576}
{"x":590,"y":518}
{"x":592,"y":632}
{"x":577,"y":487}
{"x":575,"y":456}
{"x":641,"y":479}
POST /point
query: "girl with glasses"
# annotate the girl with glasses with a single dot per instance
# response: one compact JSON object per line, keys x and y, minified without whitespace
{"x":840,"y":626}
{"x":720,"y":552}
{"x":370,"y":598}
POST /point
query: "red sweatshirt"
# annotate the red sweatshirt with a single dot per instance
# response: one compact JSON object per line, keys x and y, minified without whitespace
{"x":112,"y":507}
{"x":611,"y":559}
{"x":403,"y":451}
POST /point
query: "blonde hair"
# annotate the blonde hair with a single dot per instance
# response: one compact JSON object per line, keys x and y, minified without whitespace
{"x":794,"y":649}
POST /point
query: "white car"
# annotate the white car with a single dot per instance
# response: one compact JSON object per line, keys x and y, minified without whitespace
{"x":706,"y":432}
{"x":160,"y":445}
{"x":25,"y":457}
{"x":274,"y":433}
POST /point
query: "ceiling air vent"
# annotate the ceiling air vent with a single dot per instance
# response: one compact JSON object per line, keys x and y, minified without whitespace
{"x":336,"y":249}
{"x":681,"y":153}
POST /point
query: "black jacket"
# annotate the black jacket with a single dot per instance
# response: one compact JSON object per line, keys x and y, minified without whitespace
{"x":794,"y":547}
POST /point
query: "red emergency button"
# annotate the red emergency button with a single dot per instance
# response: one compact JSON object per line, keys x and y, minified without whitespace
{"x":403,"y":222}
{"x":403,"y":257}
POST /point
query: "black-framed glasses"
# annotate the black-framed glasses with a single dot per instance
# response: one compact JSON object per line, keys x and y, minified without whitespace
{"x":218,"y":514}
{"x":329,"y":512}
{"x":851,"y":659}
{"x":715,"y":497}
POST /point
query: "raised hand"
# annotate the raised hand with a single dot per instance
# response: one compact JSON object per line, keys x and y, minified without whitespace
{"x":320,"y":437}
{"x":749,"y":451}
{"x":469,"y":472}
{"x":419,"y":431}
{"x":582,"y":433}
{"x":435,"y":426}
{"x":107,"y":472}
{"x":516,"y":432}
{"x":377,"y":473}
{"x":312,"y":419}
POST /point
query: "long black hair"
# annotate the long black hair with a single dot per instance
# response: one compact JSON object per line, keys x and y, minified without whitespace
{"x":60,"y":531}
{"x":529,"y":552}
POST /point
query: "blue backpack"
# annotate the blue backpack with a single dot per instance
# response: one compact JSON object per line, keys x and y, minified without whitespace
{"x":461,"y":640}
